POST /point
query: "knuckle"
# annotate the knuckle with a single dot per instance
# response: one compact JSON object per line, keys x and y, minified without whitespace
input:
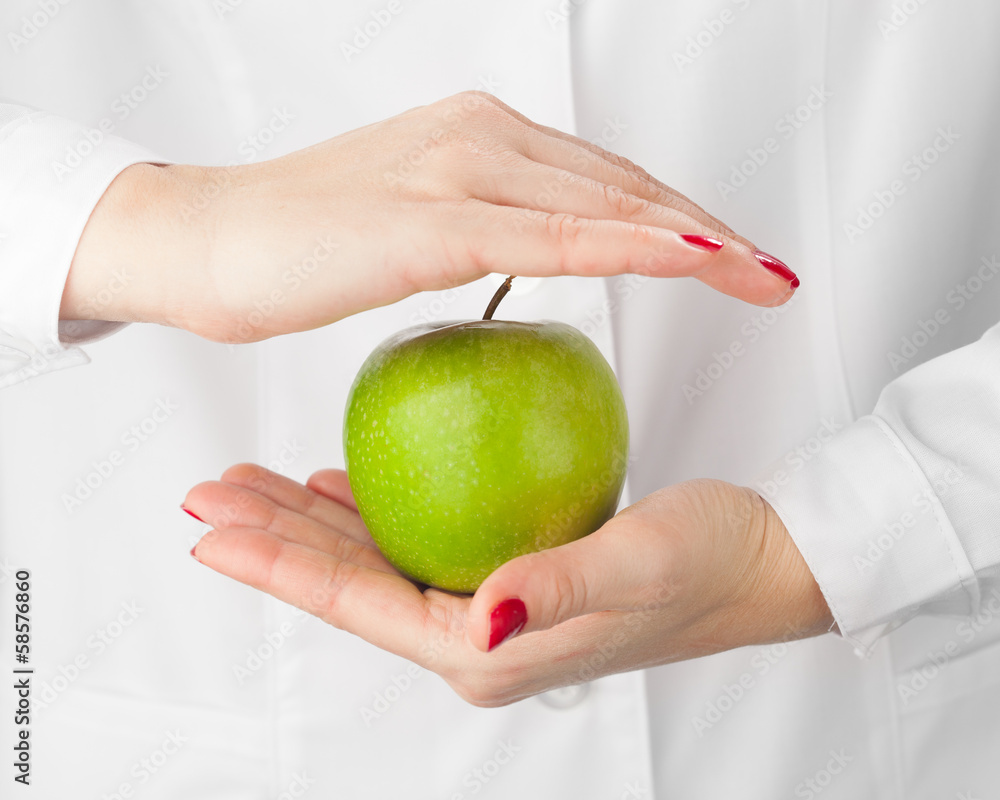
{"x":620,"y":161}
{"x":479,"y":97}
{"x":638,"y":171}
{"x":350,"y":550}
{"x":312,"y":501}
{"x":479,"y":103}
{"x":644,"y":236}
{"x":570,"y":595}
{"x":324,"y":600}
{"x":565,"y":228}
{"x":631,"y":167}
{"x":621,"y":202}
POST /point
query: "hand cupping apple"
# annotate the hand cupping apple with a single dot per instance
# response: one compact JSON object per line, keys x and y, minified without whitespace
{"x":468,"y":444}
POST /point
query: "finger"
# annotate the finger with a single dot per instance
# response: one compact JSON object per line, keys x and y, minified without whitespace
{"x":525,"y":241}
{"x":562,"y":150}
{"x":333,"y":483}
{"x":301,"y":499}
{"x":610,"y":570}
{"x":541,"y":188}
{"x":550,"y":152}
{"x":386,"y":610}
{"x":527,"y":184}
{"x":235,"y":506}
{"x":533,"y":186}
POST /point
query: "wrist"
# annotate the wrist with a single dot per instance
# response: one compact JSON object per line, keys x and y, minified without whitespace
{"x":776,"y":598}
{"x":786,"y":584}
{"x":138,"y":259}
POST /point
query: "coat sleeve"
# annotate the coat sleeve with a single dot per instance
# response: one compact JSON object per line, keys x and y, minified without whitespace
{"x":898,"y":515}
{"x":52,"y":174}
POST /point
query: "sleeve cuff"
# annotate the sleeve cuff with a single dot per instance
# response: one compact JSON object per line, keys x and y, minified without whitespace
{"x":873,"y":532}
{"x":54,"y":172}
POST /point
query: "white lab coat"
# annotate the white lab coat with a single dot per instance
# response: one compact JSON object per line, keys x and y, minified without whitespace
{"x":157,"y":678}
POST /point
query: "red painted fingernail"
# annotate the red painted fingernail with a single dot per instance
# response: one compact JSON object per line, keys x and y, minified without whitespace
{"x":507,"y":620}
{"x":704,"y":242}
{"x":189,"y":511}
{"x":778,"y":267}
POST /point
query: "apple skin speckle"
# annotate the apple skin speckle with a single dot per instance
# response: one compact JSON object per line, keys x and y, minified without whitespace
{"x":506,"y":438}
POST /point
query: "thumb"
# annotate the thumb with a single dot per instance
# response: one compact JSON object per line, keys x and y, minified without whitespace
{"x":611,"y":569}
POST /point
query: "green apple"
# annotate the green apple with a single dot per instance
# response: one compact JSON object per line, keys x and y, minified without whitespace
{"x":470,"y":443}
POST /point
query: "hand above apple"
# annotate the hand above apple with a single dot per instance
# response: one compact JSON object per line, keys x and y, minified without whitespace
{"x":693,"y":569}
{"x":430,"y":199}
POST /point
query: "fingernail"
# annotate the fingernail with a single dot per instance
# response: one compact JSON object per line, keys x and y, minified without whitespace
{"x":507,"y":620}
{"x":704,"y":242}
{"x":189,"y":511}
{"x":193,"y":555}
{"x":778,"y":267}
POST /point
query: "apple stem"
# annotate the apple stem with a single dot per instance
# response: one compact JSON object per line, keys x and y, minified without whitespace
{"x":501,"y":293}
